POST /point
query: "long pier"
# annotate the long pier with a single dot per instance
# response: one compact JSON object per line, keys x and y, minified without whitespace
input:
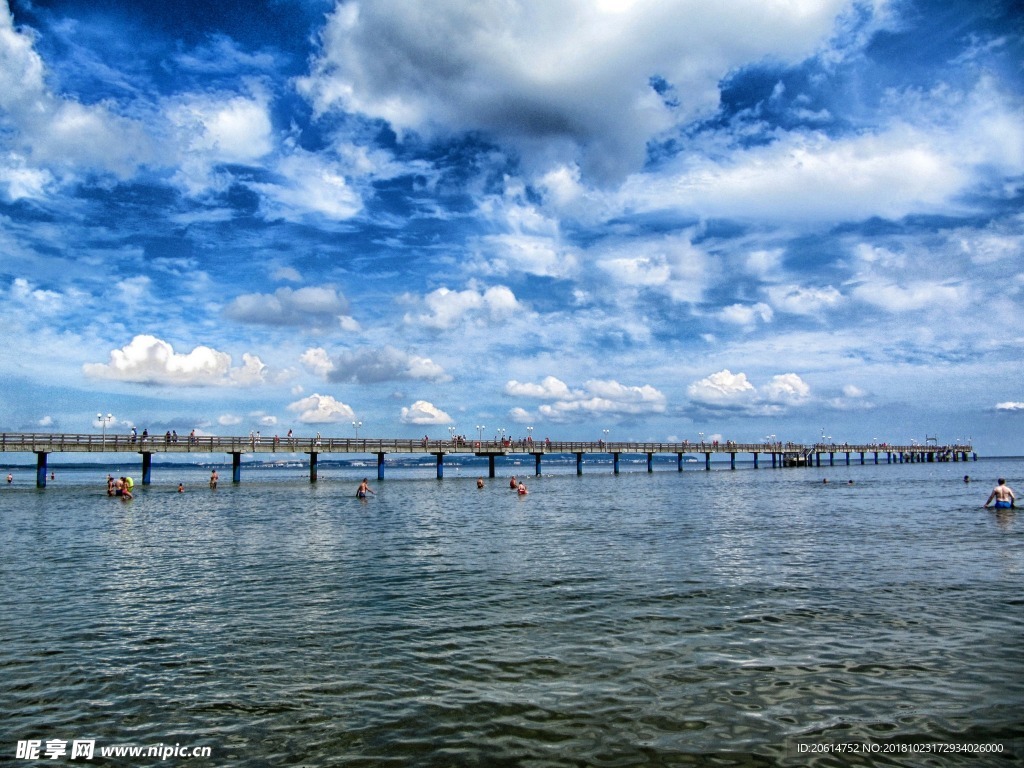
{"x":780,"y":454}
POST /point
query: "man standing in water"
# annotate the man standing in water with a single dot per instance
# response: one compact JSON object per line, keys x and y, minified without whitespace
{"x":364,"y":488}
{"x":1003,"y":496}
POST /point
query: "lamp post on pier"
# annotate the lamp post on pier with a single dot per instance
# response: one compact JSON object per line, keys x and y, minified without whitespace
{"x":480,"y":432}
{"x":356,"y":425}
{"x":104,"y":420}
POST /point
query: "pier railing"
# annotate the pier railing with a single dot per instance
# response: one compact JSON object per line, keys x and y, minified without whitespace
{"x":42,"y":442}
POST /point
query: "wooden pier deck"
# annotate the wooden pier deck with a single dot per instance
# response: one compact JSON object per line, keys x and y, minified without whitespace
{"x":780,"y":454}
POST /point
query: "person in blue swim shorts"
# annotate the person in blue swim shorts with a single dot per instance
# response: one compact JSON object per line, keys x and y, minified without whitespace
{"x":1002,"y":495}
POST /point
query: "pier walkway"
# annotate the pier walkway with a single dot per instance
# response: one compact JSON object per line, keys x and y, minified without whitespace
{"x":780,"y":454}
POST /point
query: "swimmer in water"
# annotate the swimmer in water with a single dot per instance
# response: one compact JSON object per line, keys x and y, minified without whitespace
{"x":1003,"y":496}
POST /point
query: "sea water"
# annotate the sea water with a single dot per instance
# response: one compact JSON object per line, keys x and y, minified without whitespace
{"x":748,"y":617}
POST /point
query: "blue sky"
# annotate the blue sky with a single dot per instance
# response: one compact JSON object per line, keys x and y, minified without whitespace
{"x":743,"y":218}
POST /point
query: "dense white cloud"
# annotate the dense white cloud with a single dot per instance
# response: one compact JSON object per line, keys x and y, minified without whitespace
{"x":786,"y":388}
{"x":564,"y":79}
{"x":723,"y":389}
{"x":149,"y":360}
{"x":321,"y":409}
{"x":425,"y":414}
{"x":447,"y":309}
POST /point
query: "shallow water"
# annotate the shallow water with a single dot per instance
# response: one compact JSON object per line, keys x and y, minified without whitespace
{"x":695,"y":618}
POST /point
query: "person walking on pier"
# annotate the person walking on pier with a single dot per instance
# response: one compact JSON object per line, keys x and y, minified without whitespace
{"x":1003,"y":496}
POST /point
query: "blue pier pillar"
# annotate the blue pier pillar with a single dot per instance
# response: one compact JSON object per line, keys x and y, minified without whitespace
{"x":147,"y":468}
{"x":41,"y":469}
{"x":862,"y":457}
{"x":975,"y":457}
{"x":847,"y":458}
{"x":650,"y":462}
{"x":817,"y":459}
{"x":732,"y":461}
{"x":615,"y":463}
{"x":380,"y":466}
{"x":755,"y":461}
{"x":876,"y":457}
{"x":831,"y":459}
{"x":679,"y":462}
{"x":774,"y":461}
{"x":579,"y":463}
{"x":440,"y":465}
{"x":312,"y":467}
{"x":536,"y":463}
{"x":707,"y":461}
{"x":490,"y":465}
{"x":236,"y":467}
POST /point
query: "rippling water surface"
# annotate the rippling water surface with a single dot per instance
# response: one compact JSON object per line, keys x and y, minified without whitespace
{"x":701,"y":618}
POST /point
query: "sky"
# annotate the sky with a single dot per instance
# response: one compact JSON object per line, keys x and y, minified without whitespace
{"x":648,"y":220}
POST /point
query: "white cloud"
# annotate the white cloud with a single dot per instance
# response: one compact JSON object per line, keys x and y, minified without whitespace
{"x":915,"y":296}
{"x":723,"y":389}
{"x":1010,"y":407}
{"x":229,"y":420}
{"x":317,"y":361}
{"x":801,"y":300}
{"x":315,"y":306}
{"x":746,"y":315}
{"x":550,"y":388}
{"x":447,"y":309}
{"x":149,"y":360}
{"x":528,"y":75}
{"x":309,"y":185}
{"x":321,"y":409}
{"x":49,"y":134}
{"x":424,"y":413}
{"x":786,"y":388}
{"x":595,"y":397}
{"x":671,"y":265}
{"x":372,"y":366}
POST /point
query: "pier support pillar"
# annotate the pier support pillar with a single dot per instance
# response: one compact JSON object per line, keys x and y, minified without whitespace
{"x":975,"y":457}
{"x":707,"y":461}
{"x":440,"y":465}
{"x":831,"y":459}
{"x":755,"y":461}
{"x":650,"y":462}
{"x":536,"y":463}
{"x":876,"y":457}
{"x":817,"y":459}
{"x":490,"y":465}
{"x":732,"y":460}
{"x":679,"y":462}
{"x":312,"y":467}
{"x":579,"y":463}
{"x":236,"y":467}
{"x":862,"y":457}
{"x":147,"y":468}
{"x":847,"y":458}
{"x":774,"y":461}
{"x":41,"y":469}
{"x":380,"y":466}
{"x":615,"y":463}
